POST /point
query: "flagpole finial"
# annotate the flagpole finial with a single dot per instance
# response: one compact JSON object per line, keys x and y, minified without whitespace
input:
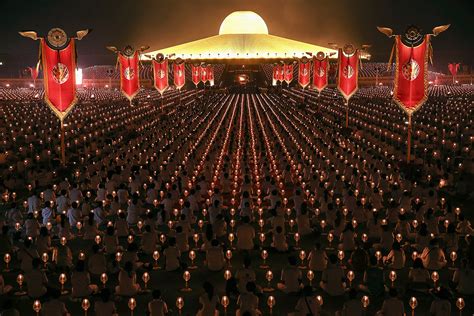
{"x":112,"y":49}
{"x":82,"y":33}
{"x":440,"y":29}
{"x":385,"y":30}
{"x":29,"y":34}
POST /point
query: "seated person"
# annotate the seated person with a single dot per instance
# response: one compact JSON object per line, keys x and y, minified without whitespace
{"x":245,"y":275}
{"x":290,"y":277}
{"x":36,"y":280}
{"x":81,"y":280}
{"x":4,"y":289}
{"x":279,"y":240}
{"x":332,"y":280}
{"x":8,"y":309}
{"x":433,"y":256}
{"x":245,"y":235}
{"x":374,"y":283}
{"x":248,"y":302}
{"x":317,"y":258}
{"x":352,"y":307}
{"x":127,"y":279}
{"x":392,"y":306}
{"x":172,"y":256}
{"x":463,"y":278}
{"x":441,"y":306}
{"x":181,"y":239}
{"x":215,"y":256}
{"x":396,"y":257}
{"x":418,"y":276}
{"x":157,"y":306}
{"x":96,"y":263}
{"x":307,"y":304}
{"x":54,"y":307}
{"x":149,"y":240}
{"x":105,"y":306}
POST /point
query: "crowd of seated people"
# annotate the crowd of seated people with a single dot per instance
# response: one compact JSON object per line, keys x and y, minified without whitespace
{"x":238,"y":203}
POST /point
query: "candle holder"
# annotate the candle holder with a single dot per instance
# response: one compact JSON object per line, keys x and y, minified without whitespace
{"x":319,"y":298}
{"x":103,"y":278}
{"x":225,"y":303}
{"x":378,"y":255}
{"x":145,"y":279}
{"x":132,"y":303}
{"x":341,"y":255}
{"x":85,"y":305}
{"x":392,"y":276}
{"x":262,"y":238}
{"x":264,"y":255}
{"x":271,"y":302}
{"x":156,"y":257}
{"x":269,"y":277}
{"x":62,"y":281}
{"x":186,"y":277}
{"x":460,"y":304}
{"x":37,"y":307}
{"x":7,"y":258}
{"x":79,"y":229}
{"x":350,"y":277}
{"x":192,"y":256}
{"x":435,"y":278}
{"x":231,"y":238}
{"x":302,"y":256}
{"x":227,"y":275}
{"x":310,"y":276}
{"x":20,"y":279}
{"x":413,"y":304}
{"x":365,"y":302}
{"x":453,"y":256}
{"x":228,"y":256}
{"x":179,"y":304}
{"x":297,"y":239}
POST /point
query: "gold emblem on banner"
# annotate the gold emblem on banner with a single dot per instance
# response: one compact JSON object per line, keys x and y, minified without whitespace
{"x":57,"y":38}
{"x":60,"y":73}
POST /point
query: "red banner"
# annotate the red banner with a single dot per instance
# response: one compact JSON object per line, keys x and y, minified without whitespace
{"x":179,"y":75}
{"x":210,"y":74}
{"x":203,"y":74}
{"x":129,"y":74}
{"x":348,"y":73}
{"x":304,"y":73}
{"x":411,"y":74}
{"x":196,"y":74}
{"x":160,"y":74}
{"x":59,"y":71}
{"x":275,"y":75}
{"x":453,"y":68}
{"x":320,"y":71}
{"x":34,"y":71}
{"x":288,"y":75}
{"x":280,"y":73}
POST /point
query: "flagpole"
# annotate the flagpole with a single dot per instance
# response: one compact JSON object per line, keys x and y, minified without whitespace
{"x":63,"y":148}
{"x":409,"y":139}
{"x":347,"y":113}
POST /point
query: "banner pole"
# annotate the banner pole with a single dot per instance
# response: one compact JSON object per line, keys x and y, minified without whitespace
{"x":63,"y":147}
{"x":347,"y":113}
{"x":409,"y":139}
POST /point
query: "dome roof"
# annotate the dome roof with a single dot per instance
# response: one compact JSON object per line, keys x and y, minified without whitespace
{"x":243,"y":22}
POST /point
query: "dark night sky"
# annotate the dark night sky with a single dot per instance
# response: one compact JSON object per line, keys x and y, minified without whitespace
{"x":162,"y":23}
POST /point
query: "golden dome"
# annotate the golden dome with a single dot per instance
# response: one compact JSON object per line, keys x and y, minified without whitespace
{"x":243,"y":22}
